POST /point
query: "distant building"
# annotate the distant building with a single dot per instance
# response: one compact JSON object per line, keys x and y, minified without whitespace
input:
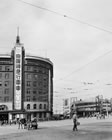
{"x":26,"y":85}
{"x":86,"y":108}
{"x":67,"y":103}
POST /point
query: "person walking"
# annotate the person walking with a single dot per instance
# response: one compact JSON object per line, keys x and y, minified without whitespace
{"x":75,"y":120}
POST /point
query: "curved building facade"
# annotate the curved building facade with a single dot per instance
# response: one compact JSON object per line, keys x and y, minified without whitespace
{"x":26,"y":85}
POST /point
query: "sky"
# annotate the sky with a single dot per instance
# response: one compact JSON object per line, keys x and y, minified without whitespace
{"x":79,"y":44}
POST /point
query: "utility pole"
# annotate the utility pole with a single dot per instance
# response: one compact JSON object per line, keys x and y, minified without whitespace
{"x":107,"y":109}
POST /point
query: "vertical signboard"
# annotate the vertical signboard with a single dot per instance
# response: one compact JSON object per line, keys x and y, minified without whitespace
{"x":49,"y":101}
{"x":18,"y":77}
{"x":66,"y":106}
{"x":66,"y":102}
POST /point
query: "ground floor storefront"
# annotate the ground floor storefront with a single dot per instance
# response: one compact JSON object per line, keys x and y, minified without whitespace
{"x":7,"y":116}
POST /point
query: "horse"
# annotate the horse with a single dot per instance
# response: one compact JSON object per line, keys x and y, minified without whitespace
{"x":22,"y":123}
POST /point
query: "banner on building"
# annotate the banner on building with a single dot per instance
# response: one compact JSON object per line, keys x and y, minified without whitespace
{"x":18,"y":78}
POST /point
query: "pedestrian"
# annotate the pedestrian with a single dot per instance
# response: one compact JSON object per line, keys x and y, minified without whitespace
{"x":75,"y":121}
{"x":20,"y":125}
{"x":10,"y":122}
{"x":28,"y":124}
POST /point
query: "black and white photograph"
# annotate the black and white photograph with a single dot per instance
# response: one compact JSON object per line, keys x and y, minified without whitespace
{"x":55,"y":70}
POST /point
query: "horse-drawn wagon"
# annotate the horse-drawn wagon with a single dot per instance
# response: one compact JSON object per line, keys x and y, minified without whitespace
{"x":33,"y":124}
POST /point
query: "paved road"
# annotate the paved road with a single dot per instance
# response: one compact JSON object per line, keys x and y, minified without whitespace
{"x":90,"y":129}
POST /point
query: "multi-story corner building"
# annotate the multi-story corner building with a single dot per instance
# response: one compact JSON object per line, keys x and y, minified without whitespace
{"x":26,"y":85}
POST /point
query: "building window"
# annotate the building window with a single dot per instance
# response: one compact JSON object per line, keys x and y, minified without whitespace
{"x":40,"y":115}
{"x":28,"y":83}
{"x":35,"y":76}
{"x":0,"y":75}
{"x":34,"y":98}
{"x":6,"y":83}
{"x":40,"y":106}
{"x":28,"y":91}
{"x":28,"y":76}
{"x":0,"y":83}
{"x":6,"y":99}
{"x":45,"y":78}
{"x":0,"y":91}
{"x":44,"y":115}
{"x":34,"y":92}
{"x":7,"y":68}
{"x":35,"y":69}
{"x":0,"y":68}
{"x":40,"y":92}
{"x":34,"y":106}
{"x":28,"y":68}
{"x":34,"y":83}
{"x":6,"y":75}
{"x":34,"y":115}
{"x":6,"y":91}
{"x":43,"y":71}
{"x":42,"y":98}
{"x":40,"y":70}
{"x":28,"y":98}
{"x":44,"y":86}
{"x":44,"y":106}
{"x":28,"y":106}
{"x":40,"y":83}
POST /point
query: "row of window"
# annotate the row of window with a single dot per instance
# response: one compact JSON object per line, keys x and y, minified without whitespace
{"x":35,"y":106}
{"x":6,"y":91}
{"x":37,"y":69}
{"x":29,"y":91}
{"x":39,"y":98}
{"x":6,"y":76}
{"x":28,"y":83}
{"x":36,"y":76}
{"x":7,"y":68}
{"x":6,"y":62}
{"x":35,"y":84}
{"x":6,"y":83}
{"x":37,"y":63}
{"x":29,"y":68}
{"x":5,"y":99}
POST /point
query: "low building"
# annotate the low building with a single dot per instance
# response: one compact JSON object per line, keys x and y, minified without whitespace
{"x":89,"y":108}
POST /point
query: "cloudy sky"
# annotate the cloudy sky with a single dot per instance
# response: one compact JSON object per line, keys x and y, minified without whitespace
{"x":79,"y":44}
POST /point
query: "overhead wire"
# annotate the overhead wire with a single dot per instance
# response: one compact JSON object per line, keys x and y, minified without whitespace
{"x":77,"y":20}
{"x":65,"y":16}
{"x":82,"y":67}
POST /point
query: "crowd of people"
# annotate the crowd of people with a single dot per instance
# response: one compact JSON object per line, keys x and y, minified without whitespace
{"x":22,"y":123}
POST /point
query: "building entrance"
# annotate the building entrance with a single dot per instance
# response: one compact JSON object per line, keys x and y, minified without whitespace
{"x":4,"y":117}
{"x":3,"y":113}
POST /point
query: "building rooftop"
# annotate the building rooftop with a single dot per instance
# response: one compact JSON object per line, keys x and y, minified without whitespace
{"x":39,"y":58}
{"x":5,"y":55}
